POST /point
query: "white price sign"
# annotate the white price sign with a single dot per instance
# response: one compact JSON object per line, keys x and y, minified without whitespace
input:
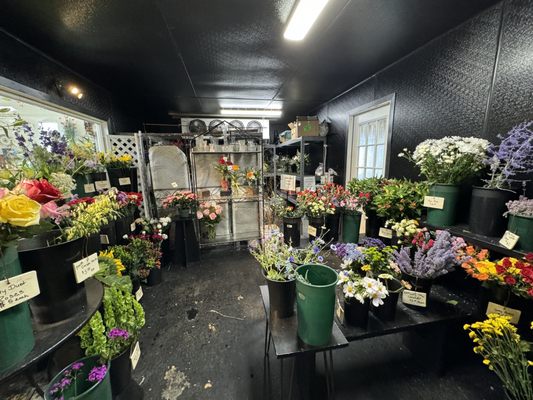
{"x":104,"y":239}
{"x":86,"y":267}
{"x":139,"y":294}
{"x":288,"y":182}
{"x":494,"y":308}
{"x":174,"y":185}
{"x":18,"y":289}
{"x":135,"y":355}
{"x":133,"y":226}
{"x":101,"y":185}
{"x":124,"y":181}
{"x":414,"y":298}
{"x":309,"y":182}
{"x":311,"y":230}
{"x":434,"y":202}
{"x":89,"y":188}
{"x":385,"y":233}
{"x":509,"y":240}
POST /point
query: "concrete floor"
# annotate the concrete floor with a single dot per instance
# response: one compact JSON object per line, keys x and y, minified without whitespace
{"x":204,"y":339}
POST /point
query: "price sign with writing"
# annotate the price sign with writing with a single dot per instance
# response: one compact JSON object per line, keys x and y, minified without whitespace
{"x":86,"y":267}
{"x":104,"y":239}
{"x":101,"y":185}
{"x":89,"y":188}
{"x":139,"y":294}
{"x":288,"y":182}
{"x":133,"y":226}
{"x":309,"y":182}
{"x":124,"y":181}
{"x":385,"y":233}
{"x":434,"y":202}
{"x":311,"y":230}
{"x":494,"y":308}
{"x":18,"y":289}
{"x":414,"y":298}
{"x":135,"y":355}
{"x":509,"y":240}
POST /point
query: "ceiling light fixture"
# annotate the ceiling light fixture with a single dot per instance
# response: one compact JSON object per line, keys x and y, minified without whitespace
{"x":250,"y":112}
{"x":303,"y":18}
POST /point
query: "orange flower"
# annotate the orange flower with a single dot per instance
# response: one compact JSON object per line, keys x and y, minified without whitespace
{"x":250,"y":175}
{"x":235,"y":167}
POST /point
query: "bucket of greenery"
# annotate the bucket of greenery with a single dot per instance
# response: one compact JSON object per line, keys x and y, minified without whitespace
{"x":185,"y":202}
{"x":292,"y":219}
{"x":315,"y":302}
{"x":19,"y":218}
{"x":369,"y":188}
{"x":505,"y":353}
{"x":507,"y":161}
{"x":446,"y":163}
{"x":122,"y":174}
{"x":520,"y":214}
{"x":61,"y":295}
{"x":433,"y":257}
{"x":316,"y":208}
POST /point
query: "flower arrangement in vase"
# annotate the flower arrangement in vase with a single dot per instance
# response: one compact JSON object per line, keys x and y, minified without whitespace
{"x":229,"y":175}
{"x":185,"y":201}
{"x":316,"y":207}
{"x":291,"y":217}
{"x":209,"y":214}
{"x":252,"y":178}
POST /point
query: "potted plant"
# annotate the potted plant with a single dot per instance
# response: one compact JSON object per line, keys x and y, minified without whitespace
{"x":122,"y":174}
{"x":19,"y":217}
{"x":185,"y":201}
{"x":369,"y":188}
{"x":513,"y":156}
{"x":505,"y":353}
{"x":209,"y":214}
{"x":316,"y":209}
{"x":520,"y":213}
{"x":359,"y":292}
{"x":112,"y":333}
{"x":445,"y":163}
{"x":142,"y":259}
{"x":229,"y":175}
{"x":292,"y":218}
{"x":86,"y":379}
{"x":432,"y":258}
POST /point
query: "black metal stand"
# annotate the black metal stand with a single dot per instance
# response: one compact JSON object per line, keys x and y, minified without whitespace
{"x":183,"y":243}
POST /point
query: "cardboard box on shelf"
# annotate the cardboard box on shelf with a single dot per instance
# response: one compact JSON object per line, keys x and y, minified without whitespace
{"x":305,"y":126}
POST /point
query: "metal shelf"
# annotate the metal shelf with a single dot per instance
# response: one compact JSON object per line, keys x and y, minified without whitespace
{"x":289,"y":197}
{"x":304,"y":139}
{"x":226,"y":152}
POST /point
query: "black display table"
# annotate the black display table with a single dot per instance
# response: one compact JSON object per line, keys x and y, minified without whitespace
{"x":283,"y":334}
{"x":183,"y":246}
{"x":50,"y":337}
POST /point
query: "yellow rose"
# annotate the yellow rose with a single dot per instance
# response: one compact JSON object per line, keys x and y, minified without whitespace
{"x":19,"y":210}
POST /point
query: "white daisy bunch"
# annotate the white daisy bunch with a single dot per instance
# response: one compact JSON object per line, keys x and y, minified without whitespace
{"x":361,"y":288}
{"x":449,"y":160}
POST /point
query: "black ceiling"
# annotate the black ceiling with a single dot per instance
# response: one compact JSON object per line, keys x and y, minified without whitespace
{"x":194,"y":56}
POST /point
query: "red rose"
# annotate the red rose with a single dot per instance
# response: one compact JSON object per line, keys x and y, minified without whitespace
{"x":88,"y":200}
{"x":530,"y":292}
{"x":506,"y":263}
{"x":510,"y":280}
{"x":500,"y":270}
{"x":529,"y":257}
{"x":41,"y":190}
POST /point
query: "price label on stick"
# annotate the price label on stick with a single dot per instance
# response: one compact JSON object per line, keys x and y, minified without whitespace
{"x":414,"y":298}
{"x":124,"y":181}
{"x":18,"y":289}
{"x":288,"y":182}
{"x":434,"y":202}
{"x":135,"y":355}
{"x":509,"y":240}
{"x":89,"y":188}
{"x":86,"y":267}
{"x":385,"y":233}
{"x":494,"y":308}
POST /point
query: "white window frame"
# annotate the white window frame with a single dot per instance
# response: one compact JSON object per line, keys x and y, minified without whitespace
{"x":353,"y":134}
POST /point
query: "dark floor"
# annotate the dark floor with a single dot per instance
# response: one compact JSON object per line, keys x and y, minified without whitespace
{"x":204,"y":339}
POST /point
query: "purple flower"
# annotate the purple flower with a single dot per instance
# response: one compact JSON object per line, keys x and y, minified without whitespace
{"x":97,"y":373}
{"x":373,"y":242}
{"x":118,"y":333}
{"x":63,"y":383}
{"x":77,"y":365}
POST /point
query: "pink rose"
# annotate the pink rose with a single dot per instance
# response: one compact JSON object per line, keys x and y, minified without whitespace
{"x":50,"y":210}
{"x":212,"y":216}
{"x":206,"y":212}
{"x":41,"y":190}
{"x":199,"y":214}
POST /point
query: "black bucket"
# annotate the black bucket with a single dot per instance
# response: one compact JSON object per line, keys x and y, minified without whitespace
{"x":373,"y":224}
{"x":387,"y":311}
{"x":123,"y":228}
{"x":332,"y":227}
{"x":291,"y":231}
{"x":124,"y":179}
{"x":154,"y":277}
{"x":356,"y":313}
{"x":108,"y":235}
{"x":486,"y":211}
{"x":282,"y":295}
{"x":317,"y":227}
{"x":121,"y":372}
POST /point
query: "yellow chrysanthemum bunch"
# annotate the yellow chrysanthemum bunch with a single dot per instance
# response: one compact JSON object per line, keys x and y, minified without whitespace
{"x":109,"y":259}
{"x":111,"y":160}
{"x":503,"y":351}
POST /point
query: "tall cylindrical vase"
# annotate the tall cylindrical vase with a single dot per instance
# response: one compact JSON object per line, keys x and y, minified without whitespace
{"x":351,"y":222}
{"x":124,"y":179}
{"x":486,"y":211}
{"x":15,"y":323}
{"x":447,"y":215}
{"x":317,"y":227}
{"x":291,"y":231}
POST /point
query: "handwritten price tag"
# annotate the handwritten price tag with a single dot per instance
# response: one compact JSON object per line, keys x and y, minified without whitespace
{"x":86,"y":267}
{"x":139,"y":294}
{"x":133,"y":226}
{"x":309,"y":182}
{"x":124,"y":181}
{"x":414,"y":298}
{"x":434,"y":202}
{"x":494,"y":308}
{"x":311,"y":230}
{"x":135,"y":355}
{"x":89,"y":188}
{"x":101,"y":185}
{"x":509,"y":240}
{"x":288,"y":182}
{"x":104,"y":239}
{"x":385,"y":233}
{"x":18,"y":289}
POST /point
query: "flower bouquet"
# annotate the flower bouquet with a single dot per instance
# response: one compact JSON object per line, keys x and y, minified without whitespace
{"x":185,"y":201}
{"x":520,"y":214}
{"x":209,"y":214}
{"x":507,"y":161}
{"x":252,"y":179}
{"x":400,"y":199}
{"x":122,"y":173}
{"x":229,"y":175}
{"x":316,"y":208}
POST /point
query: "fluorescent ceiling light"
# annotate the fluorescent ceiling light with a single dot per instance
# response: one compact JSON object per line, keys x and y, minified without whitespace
{"x":249,"y":112}
{"x":303,"y":18}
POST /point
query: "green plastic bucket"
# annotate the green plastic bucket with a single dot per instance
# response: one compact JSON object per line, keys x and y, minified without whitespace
{"x":446,"y":216}
{"x":315,"y":303}
{"x":350,"y":227}
{"x":83,"y":389}
{"x":523,"y":227}
{"x":15,"y":323}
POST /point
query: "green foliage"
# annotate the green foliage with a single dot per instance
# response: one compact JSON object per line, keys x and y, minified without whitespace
{"x":138,"y":254}
{"x":370,"y":186}
{"x":400,"y":199}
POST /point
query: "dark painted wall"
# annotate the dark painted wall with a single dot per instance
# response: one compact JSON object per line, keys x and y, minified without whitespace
{"x":29,"y":67}
{"x":445,"y":87}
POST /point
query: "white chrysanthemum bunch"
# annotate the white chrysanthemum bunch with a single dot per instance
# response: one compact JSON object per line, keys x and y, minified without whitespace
{"x":449,"y":160}
{"x":63,"y":182}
